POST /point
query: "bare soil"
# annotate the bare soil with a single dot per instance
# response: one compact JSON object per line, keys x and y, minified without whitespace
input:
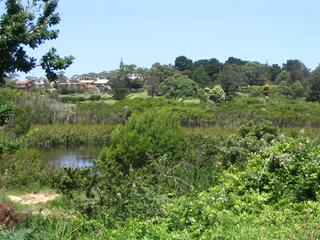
{"x":34,"y":198}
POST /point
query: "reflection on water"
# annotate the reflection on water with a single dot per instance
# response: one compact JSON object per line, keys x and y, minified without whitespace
{"x":83,"y":156}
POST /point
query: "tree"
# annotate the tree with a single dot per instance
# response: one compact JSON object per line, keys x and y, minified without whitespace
{"x":296,"y":69}
{"x":182,"y":63}
{"x":211,"y":66}
{"x":119,"y":83}
{"x":162,"y":71}
{"x":230,"y":78}
{"x":296,"y":90}
{"x":26,"y":26}
{"x":274,"y":71}
{"x":256,"y":73}
{"x":152,"y":85}
{"x":201,"y":77}
{"x":314,"y":92}
{"x":179,"y":87}
{"x":216,"y":94}
{"x":235,"y":61}
{"x":283,"y":77}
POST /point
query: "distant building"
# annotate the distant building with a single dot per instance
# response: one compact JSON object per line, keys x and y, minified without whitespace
{"x":39,"y":83}
{"x":24,"y":84}
{"x":135,"y":76}
{"x":102,"y":84}
{"x":86,"y":81}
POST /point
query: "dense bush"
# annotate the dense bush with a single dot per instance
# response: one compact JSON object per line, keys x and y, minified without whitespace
{"x":5,"y":111}
{"x":72,"y":99}
{"x":144,"y":137}
{"x":9,"y":146}
{"x":25,"y":169}
{"x":95,"y":97}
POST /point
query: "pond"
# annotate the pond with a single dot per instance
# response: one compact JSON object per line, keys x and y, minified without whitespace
{"x":79,"y":157}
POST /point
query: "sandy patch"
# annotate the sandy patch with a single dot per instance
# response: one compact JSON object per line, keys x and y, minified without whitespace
{"x":34,"y":198}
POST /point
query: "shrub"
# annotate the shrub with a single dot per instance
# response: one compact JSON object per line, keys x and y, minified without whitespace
{"x":22,"y":122}
{"x":143,"y":137}
{"x":24,"y":169}
{"x":95,"y":97}
{"x":9,"y":146}
{"x":5,"y":110}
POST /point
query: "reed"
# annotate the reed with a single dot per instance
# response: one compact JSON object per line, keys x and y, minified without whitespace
{"x":69,"y":135}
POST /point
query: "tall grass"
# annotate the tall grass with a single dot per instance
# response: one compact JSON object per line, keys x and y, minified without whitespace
{"x":69,"y":135}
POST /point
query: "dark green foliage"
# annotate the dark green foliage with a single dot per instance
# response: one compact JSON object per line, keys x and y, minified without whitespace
{"x":95,"y":97}
{"x":297,"y":70}
{"x":182,"y":63}
{"x":119,"y":93}
{"x":52,"y":62}
{"x":179,"y":87}
{"x":235,"y":61}
{"x":274,"y":70}
{"x":28,"y":25}
{"x":144,"y":137}
{"x":201,"y":77}
{"x":314,"y":92}
{"x":255,"y":73}
{"x":230,"y":78}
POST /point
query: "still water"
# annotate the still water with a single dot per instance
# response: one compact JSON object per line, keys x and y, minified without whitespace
{"x":79,"y":157}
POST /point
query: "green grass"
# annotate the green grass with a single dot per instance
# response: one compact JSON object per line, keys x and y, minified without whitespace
{"x":143,"y":94}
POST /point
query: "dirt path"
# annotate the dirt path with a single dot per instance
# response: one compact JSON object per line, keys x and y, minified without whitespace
{"x":33,"y":198}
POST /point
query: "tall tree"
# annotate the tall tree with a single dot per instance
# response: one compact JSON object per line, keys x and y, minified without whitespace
{"x":25,"y":25}
{"x":182,"y":63}
{"x":256,"y":73}
{"x":283,"y":77}
{"x":179,"y":87}
{"x":119,"y":83}
{"x":201,"y":77}
{"x":162,"y":71}
{"x":235,"y":61}
{"x":297,"y":70}
{"x":314,"y":92}
{"x":274,"y":71}
{"x":230,"y":78}
{"x":151,"y":84}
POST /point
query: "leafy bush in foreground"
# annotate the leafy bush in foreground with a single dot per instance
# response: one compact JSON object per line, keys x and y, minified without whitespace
{"x":143,"y":137}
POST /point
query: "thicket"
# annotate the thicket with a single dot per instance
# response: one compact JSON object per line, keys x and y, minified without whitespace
{"x":252,"y":184}
{"x":25,"y":169}
{"x":209,"y":186}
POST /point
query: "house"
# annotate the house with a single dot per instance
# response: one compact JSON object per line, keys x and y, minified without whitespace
{"x":39,"y":83}
{"x":135,"y":76}
{"x":86,"y":81}
{"x":24,"y":84}
{"x":102,"y":84}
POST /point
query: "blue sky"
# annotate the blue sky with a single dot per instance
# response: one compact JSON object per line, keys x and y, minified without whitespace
{"x":101,"y":32}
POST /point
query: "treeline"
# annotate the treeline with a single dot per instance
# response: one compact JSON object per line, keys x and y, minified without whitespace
{"x":188,"y":78}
